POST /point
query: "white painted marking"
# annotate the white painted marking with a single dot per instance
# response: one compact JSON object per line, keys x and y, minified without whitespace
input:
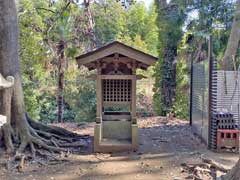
{"x":3,"y":120}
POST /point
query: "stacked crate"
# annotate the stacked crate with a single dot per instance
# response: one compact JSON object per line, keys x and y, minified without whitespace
{"x":225,"y":129}
{"x":226,"y":121}
{"x":228,"y":139}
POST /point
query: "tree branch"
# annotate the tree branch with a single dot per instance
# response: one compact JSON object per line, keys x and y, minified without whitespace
{"x":40,"y":8}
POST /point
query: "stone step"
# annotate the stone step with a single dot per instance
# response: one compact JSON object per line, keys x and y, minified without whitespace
{"x":115,"y":142}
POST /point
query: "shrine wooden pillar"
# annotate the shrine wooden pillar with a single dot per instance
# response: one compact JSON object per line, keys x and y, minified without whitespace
{"x":133,"y":94}
{"x":99,"y":95}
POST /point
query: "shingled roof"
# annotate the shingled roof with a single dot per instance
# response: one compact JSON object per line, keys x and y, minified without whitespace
{"x":116,"y":48}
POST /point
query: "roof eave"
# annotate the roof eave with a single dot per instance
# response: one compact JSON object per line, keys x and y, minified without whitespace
{"x":116,"y":47}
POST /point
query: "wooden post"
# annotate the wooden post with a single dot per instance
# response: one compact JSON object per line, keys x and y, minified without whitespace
{"x":133,"y":94}
{"x":99,"y":95}
{"x":191,"y":90}
{"x":97,"y":136}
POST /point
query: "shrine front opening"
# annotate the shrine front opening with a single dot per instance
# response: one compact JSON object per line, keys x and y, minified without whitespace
{"x":116,"y":123}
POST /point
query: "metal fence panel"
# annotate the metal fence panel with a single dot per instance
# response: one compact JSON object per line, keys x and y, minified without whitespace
{"x":200,"y":99}
{"x":228,"y":93}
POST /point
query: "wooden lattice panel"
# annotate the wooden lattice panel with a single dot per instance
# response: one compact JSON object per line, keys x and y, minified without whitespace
{"x":117,"y":90}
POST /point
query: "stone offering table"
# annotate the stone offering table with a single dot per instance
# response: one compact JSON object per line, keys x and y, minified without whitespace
{"x":5,"y":109}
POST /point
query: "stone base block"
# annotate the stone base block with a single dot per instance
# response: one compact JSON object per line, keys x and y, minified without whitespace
{"x":106,"y":145}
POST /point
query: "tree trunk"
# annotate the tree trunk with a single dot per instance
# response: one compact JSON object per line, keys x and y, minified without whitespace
{"x":233,"y":41}
{"x":21,"y":130}
{"x":9,"y":66}
{"x":169,"y":82}
{"x":90,"y":25}
{"x":232,"y":47}
{"x":234,"y":174}
{"x":61,"y":69}
{"x":168,"y":47}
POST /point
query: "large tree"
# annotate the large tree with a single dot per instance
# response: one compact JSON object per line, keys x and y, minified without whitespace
{"x":234,"y":174}
{"x":233,"y":41}
{"x":170,"y":21}
{"x":231,"y":50}
{"x":20,"y":131}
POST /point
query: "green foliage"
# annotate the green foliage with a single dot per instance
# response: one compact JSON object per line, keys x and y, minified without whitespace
{"x":151,"y":31}
{"x":212,"y":17}
{"x":136,"y":20}
{"x":195,"y":18}
{"x":80,"y":93}
{"x":181,"y":105}
{"x":48,"y":112}
{"x":43,"y":25}
{"x":160,"y":31}
{"x":157,"y":103}
{"x":31,"y":95}
{"x":48,"y":108}
{"x":144,"y":97}
{"x":109,"y":20}
{"x":33,"y":55}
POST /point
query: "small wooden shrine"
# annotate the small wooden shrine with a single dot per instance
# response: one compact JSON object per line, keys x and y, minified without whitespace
{"x":116,"y":125}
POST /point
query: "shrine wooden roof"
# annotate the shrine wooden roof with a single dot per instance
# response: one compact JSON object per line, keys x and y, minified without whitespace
{"x":110,"y":50}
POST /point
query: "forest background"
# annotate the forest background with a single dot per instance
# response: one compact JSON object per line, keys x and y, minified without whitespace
{"x":164,"y":29}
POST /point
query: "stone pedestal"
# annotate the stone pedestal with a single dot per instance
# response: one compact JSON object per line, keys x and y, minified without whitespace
{"x":6,"y":83}
{"x":3,"y":120}
{"x":5,"y":104}
{"x":5,"y":92}
{"x":111,"y":141}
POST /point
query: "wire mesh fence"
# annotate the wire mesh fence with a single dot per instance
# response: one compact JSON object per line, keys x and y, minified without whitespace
{"x":200,"y":98}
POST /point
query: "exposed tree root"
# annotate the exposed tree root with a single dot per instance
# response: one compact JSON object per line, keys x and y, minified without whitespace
{"x":20,"y":132}
{"x":7,"y":133}
{"x":20,"y":158}
{"x":215,"y":165}
{"x":40,"y":139}
{"x":234,"y":174}
{"x":50,"y":129}
{"x":205,"y":170}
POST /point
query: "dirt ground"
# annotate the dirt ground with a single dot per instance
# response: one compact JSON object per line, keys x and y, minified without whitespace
{"x":164,"y":146}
